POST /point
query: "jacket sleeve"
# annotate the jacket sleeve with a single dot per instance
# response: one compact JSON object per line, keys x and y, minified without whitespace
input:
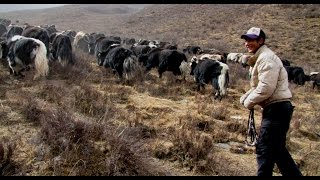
{"x":268,"y":75}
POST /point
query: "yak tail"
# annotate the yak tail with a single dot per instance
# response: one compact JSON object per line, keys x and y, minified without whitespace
{"x":184,"y":69}
{"x":223,"y":79}
{"x":41,"y":61}
{"x":65,"y":53}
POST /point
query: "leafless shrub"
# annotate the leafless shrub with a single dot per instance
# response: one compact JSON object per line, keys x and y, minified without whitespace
{"x":88,"y":101}
{"x":296,"y":124}
{"x":304,"y":127}
{"x":31,"y":111}
{"x":7,"y":165}
{"x":122,"y":161}
{"x":27,"y":105}
{"x":70,"y":144}
{"x":220,"y":136}
{"x":218,"y":165}
{"x":203,"y":126}
{"x":52,"y":93}
{"x":191,"y":122}
{"x":61,"y":131}
{"x":138,"y":131}
{"x":203,"y":102}
{"x":220,"y":112}
{"x":119,"y":95}
{"x":3,"y":114}
{"x":309,"y":165}
{"x":311,"y":135}
{"x":236,"y":127}
{"x":190,"y":148}
{"x":110,"y":112}
{"x":314,"y":122}
{"x":162,"y":152}
{"x":158,"y":90}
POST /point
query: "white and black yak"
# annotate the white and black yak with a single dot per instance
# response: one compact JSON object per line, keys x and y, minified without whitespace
{"x":208,"y":70}
{"x":24,"y":52}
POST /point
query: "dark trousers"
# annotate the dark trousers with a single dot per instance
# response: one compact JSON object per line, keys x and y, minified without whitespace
{"x":271,"y":145}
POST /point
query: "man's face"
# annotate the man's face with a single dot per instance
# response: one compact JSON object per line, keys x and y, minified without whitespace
{"x":253,"y":45}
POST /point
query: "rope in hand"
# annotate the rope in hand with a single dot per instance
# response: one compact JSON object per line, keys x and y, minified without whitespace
{"x":251,"y":136}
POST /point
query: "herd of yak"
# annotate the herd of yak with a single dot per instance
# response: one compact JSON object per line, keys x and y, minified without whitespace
{"x":22,"y":47}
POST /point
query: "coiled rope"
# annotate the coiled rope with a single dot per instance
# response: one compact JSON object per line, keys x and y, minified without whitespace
{"x":251,"y":136}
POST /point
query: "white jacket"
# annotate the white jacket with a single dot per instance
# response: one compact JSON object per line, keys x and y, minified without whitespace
{"x":269,"y":80}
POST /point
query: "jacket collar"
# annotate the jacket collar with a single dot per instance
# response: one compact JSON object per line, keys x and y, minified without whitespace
{"x":254,"y":58}
{"x":259,"y":51}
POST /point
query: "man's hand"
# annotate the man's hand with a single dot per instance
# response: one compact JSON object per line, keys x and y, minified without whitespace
{"x":248,"y":105}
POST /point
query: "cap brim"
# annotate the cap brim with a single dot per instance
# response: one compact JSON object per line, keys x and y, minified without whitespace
{"x":249,"y":36}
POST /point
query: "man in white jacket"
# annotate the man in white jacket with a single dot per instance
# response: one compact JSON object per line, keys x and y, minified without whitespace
{"x":269,"y":89}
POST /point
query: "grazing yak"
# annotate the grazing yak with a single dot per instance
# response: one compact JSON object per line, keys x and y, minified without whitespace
{"x":61,"y":49}
{"x":3,"y":48}
{"x":246,"y":60}
{"x":315,"y":78}
{"x":234,"y":57}
{"x":83,"y":41}
{"x":3,"y":29}
{"x":3,"y":52}
{"x":171,"y":46}
{"x":103,"y":47}
{"x":38,"y":33}
{"x":208,"y":70}
{"x":14,"y":30}
{"x":170,"y":60}
{"x":128,"y":41}
{"x":115,"y":59}
{"x":5,"y":22}
{"x":130,"y":67}
{"x":297,"y":75}
{"x":71,"y":34}
{"x":150,"y":59}
{"x":168,"y":45}
{"x":140,"y":49}
{"x":53,"y":35}
{"x":94,"y":38}
{"x":49,"y":28}
{"x":164,"y":60}
{"x":192,"y":50}
{"x":25,"y":52}
{"x":151,"y":43}
{"x":285,"y":62}
{"x":216,"y":57}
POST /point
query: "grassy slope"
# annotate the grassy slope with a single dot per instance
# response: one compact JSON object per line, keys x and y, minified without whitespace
{"x":154,"y":120}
